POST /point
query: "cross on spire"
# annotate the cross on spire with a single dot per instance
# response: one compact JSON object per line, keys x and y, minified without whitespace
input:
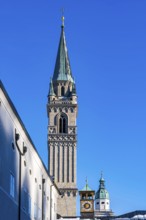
{"x":62,"y":71}
{"x":62,"y":17}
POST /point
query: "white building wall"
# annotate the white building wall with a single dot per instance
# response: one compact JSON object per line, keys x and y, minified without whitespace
{"x":35,"y":195}
{"x":102,"y":204}
{"x":9,"y":160}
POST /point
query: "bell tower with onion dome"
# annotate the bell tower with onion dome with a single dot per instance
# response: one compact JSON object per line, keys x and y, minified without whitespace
{"x":102,"y":200}
{"x":62,"y":130}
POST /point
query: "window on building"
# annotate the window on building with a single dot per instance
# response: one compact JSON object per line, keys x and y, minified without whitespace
{"x":68,"y":193}
{"x":74,"y":194}
{"x":61,"y":120}
{"x":24,"y":163}
{"x":35,"y":211}
{"x":102,"y":203}
{"x":12,"y":185}
{"x":62,"y":124}
{"x":83,"y":196}
{"x":62,"y":91}
{"x":89,"y":196}
{"x":39,"y":214}
{"x":13,"y":146}
{"x":29,"y":205}
{"x":25,"y":200}
{"x":72,"y":110}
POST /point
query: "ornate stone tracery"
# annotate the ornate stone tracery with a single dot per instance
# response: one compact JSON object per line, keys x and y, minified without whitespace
{"x":62,"y":137}
{"x":52,"y":130}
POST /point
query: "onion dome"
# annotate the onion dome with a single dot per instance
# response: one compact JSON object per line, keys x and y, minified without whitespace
{"x":102,"y":193}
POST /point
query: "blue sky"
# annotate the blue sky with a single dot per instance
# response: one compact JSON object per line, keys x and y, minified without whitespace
{"x":106,"y":40}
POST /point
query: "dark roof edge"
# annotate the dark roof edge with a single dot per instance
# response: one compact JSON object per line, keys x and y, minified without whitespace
{"x":86,"y":191}
{"x":131,"y":214}
{"x":26,"y":132}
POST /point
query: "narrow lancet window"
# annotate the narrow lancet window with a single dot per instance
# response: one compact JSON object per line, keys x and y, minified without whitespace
{"x":62,"y":91}
{"x":62,"y":124}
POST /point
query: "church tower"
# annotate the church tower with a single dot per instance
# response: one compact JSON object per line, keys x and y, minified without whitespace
{"x":102,"y":200}
{"x":62,"y":130}
{"x":87,"y":202}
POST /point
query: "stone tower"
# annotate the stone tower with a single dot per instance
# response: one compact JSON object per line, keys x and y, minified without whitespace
{"x":87,"y":202}
{"x":62,"y":130}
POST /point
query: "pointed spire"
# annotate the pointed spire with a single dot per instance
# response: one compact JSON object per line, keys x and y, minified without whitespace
{"x":86,"y":187}
{"x":101,"y":176}
{"x":51,"y":89}
{"x":102,"y":181}
{"x":62,"y":67}
{"x":62,"y":18}
{"x":86,"y":183}
{"x":62,"y":21}
{"x":74,"y":88}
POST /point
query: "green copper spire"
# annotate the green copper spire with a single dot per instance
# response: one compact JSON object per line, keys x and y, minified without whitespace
{"x":102,"y":193}
{"x":102,"y":181}
{"x":74,"y":88}
{"x":86,"y":187}
{"x":62,"y":67}
{"x":51,"y":90}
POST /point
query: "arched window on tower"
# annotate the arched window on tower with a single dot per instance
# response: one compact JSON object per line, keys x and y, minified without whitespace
{"x":61,"y":121}
{"x":63,"y":124}
{"x":62,"y":91}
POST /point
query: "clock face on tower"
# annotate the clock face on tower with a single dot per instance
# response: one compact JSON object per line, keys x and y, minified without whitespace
{"x":87,"y":205}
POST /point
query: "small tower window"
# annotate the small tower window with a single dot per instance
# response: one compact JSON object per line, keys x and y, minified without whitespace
{"x":62,"y":124}
{"x":83,"y":196}
{"x":12,"y":185}
{"x":89,"y":196}
{"x":61,"y":120}
{"x":62,"y":91}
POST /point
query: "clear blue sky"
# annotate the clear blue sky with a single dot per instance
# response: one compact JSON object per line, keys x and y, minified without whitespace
{"x":106,"y":40}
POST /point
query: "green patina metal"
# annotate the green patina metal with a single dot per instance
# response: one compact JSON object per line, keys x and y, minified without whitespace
{"x":102,"y":193}
{"x":51,"y":90}
{"x":62,"y":70}
{"x":86,"y":187}
{"x":74,"y":89}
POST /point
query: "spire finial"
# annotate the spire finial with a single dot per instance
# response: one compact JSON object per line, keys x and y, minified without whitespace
{"x":101,"y":174}
{"x":62,"y":17}
{"x":51,"y":89}
{"x":86,"y":182}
